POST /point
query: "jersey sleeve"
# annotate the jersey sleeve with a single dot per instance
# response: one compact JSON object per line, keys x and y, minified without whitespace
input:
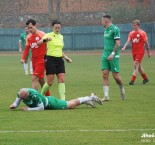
{"x":117,"y":33}
{"x":26,"y":50}
{"x":39,"y":108}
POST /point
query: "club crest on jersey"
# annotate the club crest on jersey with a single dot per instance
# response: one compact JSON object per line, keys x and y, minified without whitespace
{"x":138,"y":35}
{"x":37,"y":38}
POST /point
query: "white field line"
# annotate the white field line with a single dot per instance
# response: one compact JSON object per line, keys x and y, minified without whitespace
{"x":62,"y":131}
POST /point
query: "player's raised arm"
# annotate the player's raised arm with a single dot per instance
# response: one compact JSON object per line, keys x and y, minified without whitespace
{"x":44,"y":40}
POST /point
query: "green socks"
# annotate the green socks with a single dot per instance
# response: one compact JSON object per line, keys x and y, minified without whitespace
{"x":45,"y":88}
{"x":61,"y":88}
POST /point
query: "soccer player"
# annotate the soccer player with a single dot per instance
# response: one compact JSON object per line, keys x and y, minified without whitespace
{"x":38,"y":53}
{"x":22,"y":43}
{"x":35,"y":101}
{"x":138,"y":37}
{"x":54,"y":63}
{"x":110,"y":57}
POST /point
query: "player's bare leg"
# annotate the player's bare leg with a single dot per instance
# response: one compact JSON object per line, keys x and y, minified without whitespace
{"x":35,"y":82}
{"x":61,"y":85}
{"x":46,"y":86}
{"x":120,"y":84}
{"x":143,"y":74}
{"x":105,"y":74}
{"x":135,"y":72}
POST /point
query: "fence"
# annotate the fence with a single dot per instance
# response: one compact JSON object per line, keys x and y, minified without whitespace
{"x":76,"y":38}
{"x":81,"y":19}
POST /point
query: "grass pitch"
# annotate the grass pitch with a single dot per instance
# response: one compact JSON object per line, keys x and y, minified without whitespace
{"x":115,"y":123}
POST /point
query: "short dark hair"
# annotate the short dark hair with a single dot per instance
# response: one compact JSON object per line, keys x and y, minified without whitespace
{"x":33,"y":22}
{"x":137,"y":22}
{"x":107,"y":16}
{"x":55,"y":22}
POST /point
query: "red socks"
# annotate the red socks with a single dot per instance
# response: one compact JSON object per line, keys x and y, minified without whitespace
{"x":144,"y":76}
{"x":133,"y":78}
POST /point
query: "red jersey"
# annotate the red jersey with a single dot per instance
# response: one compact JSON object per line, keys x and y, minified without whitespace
{"x":138,"y":39}
{"x":38,"y":52}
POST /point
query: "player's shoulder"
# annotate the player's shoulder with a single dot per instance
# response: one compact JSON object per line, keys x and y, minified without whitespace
{"x":22,"y":34}
{"x":40,"y":33}
{"x":131,"y":32}
{"x":115,"y":27}
{"x":29,"y":36}
{"x":142,"y":32}
{"x":61,"y":35}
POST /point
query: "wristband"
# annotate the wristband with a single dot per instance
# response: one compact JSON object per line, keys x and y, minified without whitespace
{"x":113,"y":53}
{"x":44,"y":40}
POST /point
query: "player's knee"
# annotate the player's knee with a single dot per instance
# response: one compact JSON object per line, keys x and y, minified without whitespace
{"x":34,"y":79}
{"x":61,"y":80}
{"x":116,"y":77}
{"x":41,"y":81}
{"x":136,"y":64}
{"x":105,"y":76}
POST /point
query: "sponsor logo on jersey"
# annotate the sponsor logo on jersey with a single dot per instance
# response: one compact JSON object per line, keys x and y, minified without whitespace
{"x":34,"y":45}
{"x":135,"y":40}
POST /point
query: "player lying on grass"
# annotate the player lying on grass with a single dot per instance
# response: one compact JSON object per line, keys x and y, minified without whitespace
{"x":35,"y":101}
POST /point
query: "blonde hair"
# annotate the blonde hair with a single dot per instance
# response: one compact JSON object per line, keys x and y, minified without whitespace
{"x":137,"y":22}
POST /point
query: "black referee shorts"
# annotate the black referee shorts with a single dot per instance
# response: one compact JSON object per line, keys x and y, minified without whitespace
{"x":54,"y":65}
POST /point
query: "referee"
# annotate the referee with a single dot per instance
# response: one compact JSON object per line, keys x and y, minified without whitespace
{"x":54,"y":63}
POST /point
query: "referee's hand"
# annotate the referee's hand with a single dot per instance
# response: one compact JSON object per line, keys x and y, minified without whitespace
{"x":149,"y":54}
{"x":69,"y":60}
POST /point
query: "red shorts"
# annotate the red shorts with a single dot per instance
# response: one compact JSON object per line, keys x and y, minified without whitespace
{"x":38,"y":70}
{"x":138,"y":57}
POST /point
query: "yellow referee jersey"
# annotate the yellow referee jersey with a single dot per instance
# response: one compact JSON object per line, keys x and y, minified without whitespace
{"x":55,"y":46}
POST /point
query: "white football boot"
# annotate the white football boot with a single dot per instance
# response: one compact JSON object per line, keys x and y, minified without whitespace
{"x":96,"y":99}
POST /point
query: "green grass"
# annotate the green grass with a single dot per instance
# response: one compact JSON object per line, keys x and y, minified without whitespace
{"x":83,"y":125}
